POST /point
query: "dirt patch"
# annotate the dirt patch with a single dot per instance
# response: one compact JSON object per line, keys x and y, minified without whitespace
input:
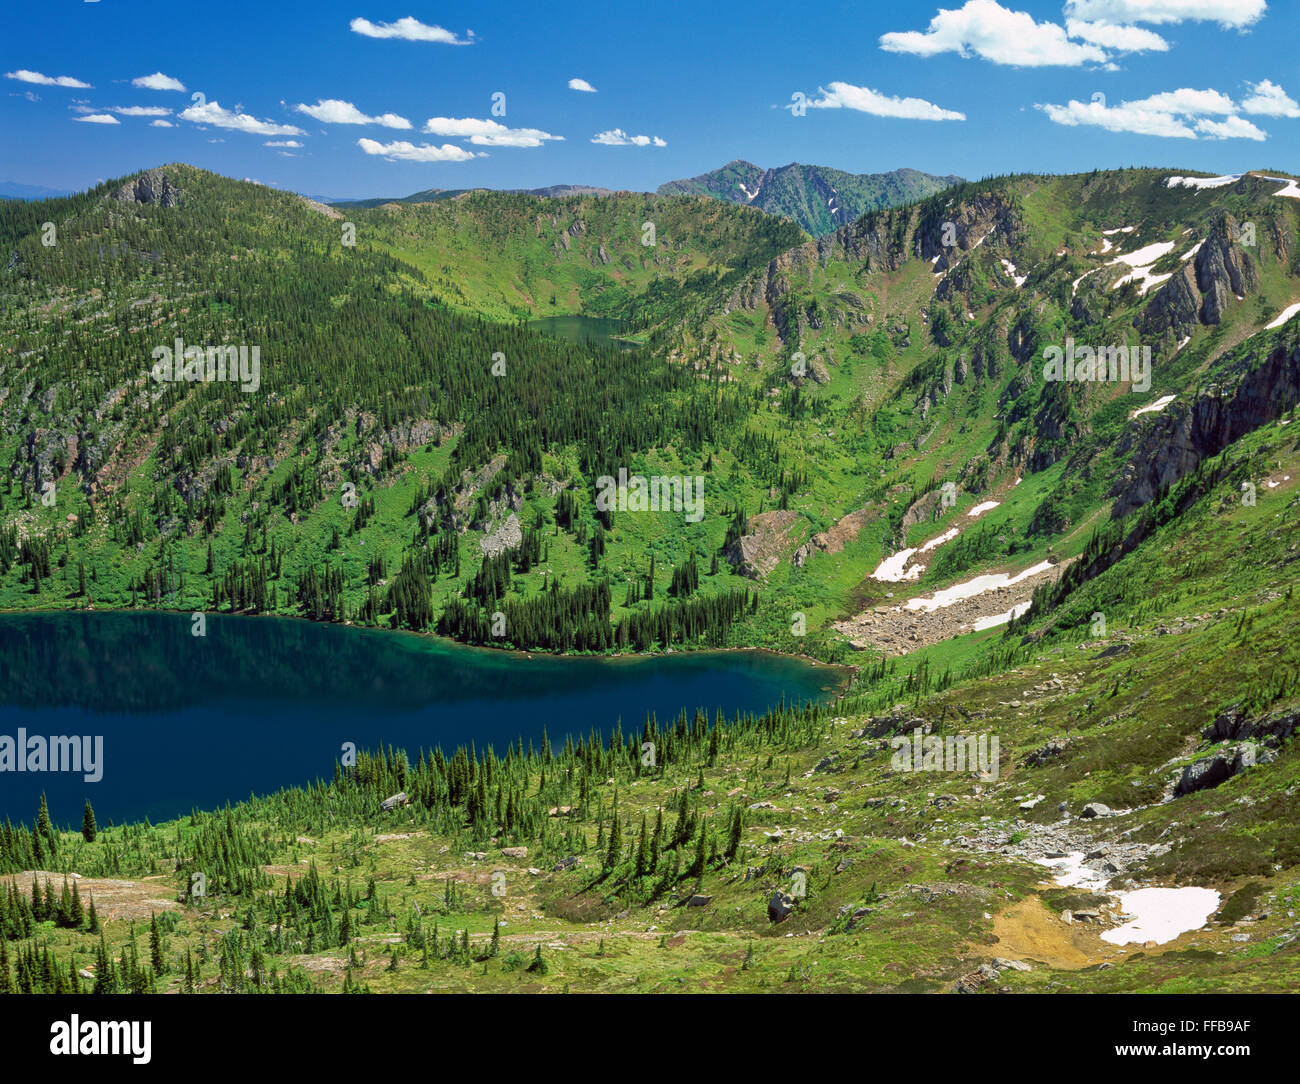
{"x":1030,"y":932}
{"x":113,"y":899}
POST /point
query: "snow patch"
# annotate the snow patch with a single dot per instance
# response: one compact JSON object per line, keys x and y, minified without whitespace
{"x":894,"y":569}
{"x":1290,"y":189}
{"x":1001,"y":619}
{"x":1010,"y":269}
{"x":947,"y":536}
{"x":980,"y":509}
{"x":1162,"y":914}
{"x":1202,"y":182}
{"x":971,"y":588}
{"x":1286,"y":314}
{"x":1072,"y":873}
{"x":1142,"y":261}
{"x":1156,"y":407}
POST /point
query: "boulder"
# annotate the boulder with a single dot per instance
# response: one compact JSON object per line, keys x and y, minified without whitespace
{"x":391,"y":803}
{"x":1054,"y":748}
{"x":1095,"y":809}
{"x":780,"y":907}
{"x":1212,"y":770}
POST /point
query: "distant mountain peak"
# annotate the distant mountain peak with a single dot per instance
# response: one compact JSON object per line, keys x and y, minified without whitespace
{"x":819,"y":198}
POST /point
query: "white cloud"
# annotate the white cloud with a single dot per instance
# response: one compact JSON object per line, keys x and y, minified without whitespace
{"x":212,"y":113}
{"x":1267,"y":99}
{"x":140,"y":111}
{"x":98,"y":118}
{"x":487,"y":133}
{"x":1123,"y":39}
{"x":409,"y":152}
{"x":616,"y":137}
{"x":158,"y":81}
{"x":408,"y":29}
{"x":581,"y":84}
{"x":282,"y":143}
{"x":161,"y":124}
{"x":866,"y":100}
{"x":24,"y":76}
{"x":334,"y":111}
{"x":1190,"y":102}
{"x":987,"y":29}
{"x":1173,"y":114}
{"x":1227,"y":13}
{"x":1231,"y":128}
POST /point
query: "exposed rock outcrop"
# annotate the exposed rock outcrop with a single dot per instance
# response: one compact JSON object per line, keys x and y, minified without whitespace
{"x":1162,"y":451}
{"x":1199,"y":292}
{"x":152,"y":186}
{"x":757,"y":553}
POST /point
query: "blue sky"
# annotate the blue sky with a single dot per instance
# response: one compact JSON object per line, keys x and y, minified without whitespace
{"x":971,"y":87}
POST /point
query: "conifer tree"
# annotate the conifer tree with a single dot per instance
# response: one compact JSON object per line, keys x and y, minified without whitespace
{"x":538,"y":965}
{"x":6,"y":979}
{"x":44,"y":828}
{"x":156,"y":958}
{"x":88,"y":828}
{"x":615,"y":849}
{"x":642,"y":851}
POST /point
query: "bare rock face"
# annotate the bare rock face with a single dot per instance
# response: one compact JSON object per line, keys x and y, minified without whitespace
{"x":757,"y":553}
{"x":152,"y":186}
{"x":1167,"y":448}
{"x":925,"y":509}
{"x":1233,"y":724}
{"x":1201,"y":290}
{"x":506,"y":535}
{"x":1223,"y":270}
{"x":1176,"y":307}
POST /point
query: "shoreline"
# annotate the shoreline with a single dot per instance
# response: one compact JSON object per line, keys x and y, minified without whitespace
{"x":846,"y":672}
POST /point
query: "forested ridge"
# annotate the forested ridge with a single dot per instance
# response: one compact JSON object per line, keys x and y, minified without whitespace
{"x":245,"y":499}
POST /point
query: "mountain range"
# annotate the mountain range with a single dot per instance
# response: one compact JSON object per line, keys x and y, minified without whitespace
{"x":818,"y":198}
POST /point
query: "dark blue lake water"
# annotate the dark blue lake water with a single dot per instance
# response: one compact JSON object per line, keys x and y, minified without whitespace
{"x":259,"y":703}
{"x":576,"y":329}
